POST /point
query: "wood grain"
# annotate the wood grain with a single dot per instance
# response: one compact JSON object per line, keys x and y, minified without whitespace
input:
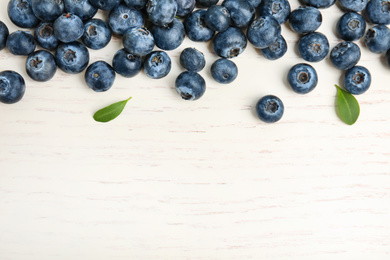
{"x":172,"y":179}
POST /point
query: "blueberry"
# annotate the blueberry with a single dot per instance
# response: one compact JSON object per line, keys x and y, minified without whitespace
{"x":305,"y":19}
{"x":196,"y":28}
{"x":68,"y":28}
{"x":302,"y":78}
{"x":21,"y":43}
{"x":279,"y":9}
{"x":169,"y":37}
{"x":97,"y":34}
{"x":72,"y":57}
{"x":353,"y":5}
{"x":378,"y":11}
{"x":229,"y":43}
{"x":106,"y":5}
{"x":12,"y":87}
{"x":157,"y":64}
{"x":313,"y":47}
{"x":217,"y":18}
{"x":357,"y":80}
{"x":224,"y":71}
{"x":190,"y":85}
{"x":263,"y":31}
{"x":320,"y":3}
{"x":138,"y":41}
{"x":21,"y":14}
{"x":270,"y":109}
{"x":185,"y":7}
{"x":377,"y":39}
{"x":276,"y":50}
{"x":47,"y":10}
{"x":136,"y":4}
{"x":126,"y":64}
{"x":3,"y":35}
{"x":345,"y":55}
{"x":206,"y":3}
{"x":351,"y":26}
{"x":161,"y":12}
{"x":193,"y":60}
{"x":254,"y":3}
{"x":122,"y":18}
{"x":41,"y":66}
{"x":100,"y":76}
{"x":44,"y":35}
{"x":241,"y":12}
{"x":82,"y":8}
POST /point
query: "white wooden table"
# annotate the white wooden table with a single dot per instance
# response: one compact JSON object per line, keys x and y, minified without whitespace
{"x":173,"y":179}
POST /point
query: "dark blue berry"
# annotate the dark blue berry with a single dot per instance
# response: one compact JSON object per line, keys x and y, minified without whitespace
{"x":263,"y":31}
{"x":270,"y":109}
{"x":345,"y":55}
{"x":190,"y":85}
{"x":378,"y":11}
{"x":157,"y":64}
{"x":302,"y":78}
{"x":44,"y":36}
{"x":351,"y":26}
{"x":305,"y":19}
{"x":137,"y":4}
{"x":279,"y":9}
{"x":72,"y":57}
{"x":47,"y":10}
{"x":196,"y":28}
{"x":161,"y":12}
{"x":320,"y":3}
{"x":224,"y":71}
{"x":169,"y":37}
{"x":21,"y":43}
{"x":276,"y":50}
{"x":3,"y":35}
{"x":106,"y":5}
{"x":377,"y":39}
{"x":229,"y":43}
{"x":185,"y":7}
{"x":68,"y":28}
{"x":126,"y":64}
{"x":97,"y":34}
{"x":82,"y":8}
{"x":241,"y":12}
{"x":122,"y":18}
{"x":99,"y":76}
{"x":217,"y":18}
{"x":193,"y":60}
{"x":313,"y":47}
{"x":357,"y":80}
{"x":138,"y":41}
{"x":12,"y":87}
{"x":353,"y":5}
{"x":41,"y":66}
{"x":21,"y":14}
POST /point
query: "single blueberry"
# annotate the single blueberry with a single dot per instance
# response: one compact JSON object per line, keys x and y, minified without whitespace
{"x":3,"y":35}
{"x":229,"y":43}
{"x":302,"y":78}
{"x":345,"y":55}
{"x":263,"y":31}
{"x":122,"y":18}
{"x":44,"y":35}
{"x":276,"y":50}
{"x":12,"y":87}
{"x":126,"y":64}
{"x":97,"y":34}
{"x":82,"y":8}
{"x":72,"y":57}
{"x":100,"y":76}
{"x":47,"y":10}
{"x":320,"y":3}
{"x":206,"y":3}
{"x":169,"y":37}
{"x":353,"y":5}
{"x":161,"y":12}
{"x":224,"y":71}
{"x":21,"y":14}
{"x":190,"y":85}
{"x":68,"y":28}
{"x":41,"y":66}
{"x":270,"y":109}
{"x":279,"y":9}
{"x":196,"y":28}
{"x":255,"y":3}
{"x":193,"y":60}
{"x":137,"y":4}
{"x":157,"y":64}
{"x":377,"y":39}
{"x":351,"y":26}
{"x":357,"y":80}
{"x":241,"y":12}
{"x":378,"y":11}
{"x":217,"y":18}
{"x":185,"y":7}
{"x":313,"y":47}
{"x":305,"y":19}
{"x":138,"y":41}
{"x":21,"y":43}
{"x":106,"y":5}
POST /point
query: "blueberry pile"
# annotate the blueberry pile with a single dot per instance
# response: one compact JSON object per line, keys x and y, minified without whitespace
{"x":66,"y":29}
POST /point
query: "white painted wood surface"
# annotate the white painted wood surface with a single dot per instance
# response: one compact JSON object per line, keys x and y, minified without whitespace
{"x":172,"y":179}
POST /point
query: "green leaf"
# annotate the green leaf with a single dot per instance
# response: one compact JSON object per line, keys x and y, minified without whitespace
{"x":348,"y":106}
{"x":110,"y":112}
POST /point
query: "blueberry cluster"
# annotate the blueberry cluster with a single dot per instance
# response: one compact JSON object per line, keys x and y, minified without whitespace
{"x":65,"y":29}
